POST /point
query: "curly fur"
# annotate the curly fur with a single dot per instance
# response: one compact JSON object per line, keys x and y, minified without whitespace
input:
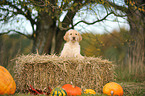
{"x":71,"y":47}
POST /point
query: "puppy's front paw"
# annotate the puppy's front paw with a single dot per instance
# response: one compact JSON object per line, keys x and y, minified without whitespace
{"x":80,"y":56}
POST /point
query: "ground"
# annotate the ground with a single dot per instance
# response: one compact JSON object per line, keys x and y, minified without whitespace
{"x":130,"y":89}
{"x":133,"y":88}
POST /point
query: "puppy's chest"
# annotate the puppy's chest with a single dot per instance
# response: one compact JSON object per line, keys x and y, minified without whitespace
{"x":73,"y":48}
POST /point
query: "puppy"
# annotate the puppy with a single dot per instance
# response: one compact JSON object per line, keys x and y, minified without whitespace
{"x":71,"y":47}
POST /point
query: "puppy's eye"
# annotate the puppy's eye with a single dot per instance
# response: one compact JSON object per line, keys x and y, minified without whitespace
{"x":76,"y":34}
{"x":70,"y":33}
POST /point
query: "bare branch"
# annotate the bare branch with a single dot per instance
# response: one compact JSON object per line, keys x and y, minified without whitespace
{"x":70,"y":15}
{"x":19,"y":11}
{"x":82,"y":21}
{"x":18,"y":32}
{"x":26,"y":12}
{"x":122,"y":8}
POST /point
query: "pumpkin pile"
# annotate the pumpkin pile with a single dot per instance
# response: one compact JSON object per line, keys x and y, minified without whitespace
{"x":65,"y":90}
{"x":7,"y":83}
{"x":111,"y":89}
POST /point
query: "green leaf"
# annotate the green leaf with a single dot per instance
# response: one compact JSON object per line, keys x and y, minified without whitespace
{"x":75,"y":4}
{"x":65,"y":1}
{"x":71,"y":8}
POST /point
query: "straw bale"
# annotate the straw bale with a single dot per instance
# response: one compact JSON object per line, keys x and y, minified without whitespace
{"x":42,"y":71}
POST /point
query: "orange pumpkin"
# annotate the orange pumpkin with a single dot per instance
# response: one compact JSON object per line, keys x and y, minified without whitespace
{"x":7,"y":83}
{"x":112,"y":89}
{"x":72,"y":90}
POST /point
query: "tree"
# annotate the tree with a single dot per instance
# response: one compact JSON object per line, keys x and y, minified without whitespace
{"x":11,"y":46}
{"x":48,"y":35}
{"x":135,"y":11}
{"x":91,"y":44}
{"x":112,"y":46}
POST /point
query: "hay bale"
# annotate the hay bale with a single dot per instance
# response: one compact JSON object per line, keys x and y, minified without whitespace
{"x":42,"y":71}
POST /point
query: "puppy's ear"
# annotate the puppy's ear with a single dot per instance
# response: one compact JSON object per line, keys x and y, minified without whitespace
{"x":66,"y":36}
{"x":80,"y":37}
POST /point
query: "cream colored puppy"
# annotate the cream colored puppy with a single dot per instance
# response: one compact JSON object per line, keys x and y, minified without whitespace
{"x":71,"y":47}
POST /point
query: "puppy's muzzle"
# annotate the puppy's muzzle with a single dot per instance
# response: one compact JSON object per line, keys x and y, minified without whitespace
{"x":73,"y":38}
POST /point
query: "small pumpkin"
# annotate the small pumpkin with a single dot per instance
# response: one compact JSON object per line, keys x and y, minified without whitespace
{"x":7,"y":83}
{"x":58,"y":92}
{"x":72,"y":90}
{"x":112,"y":89}
{"x":89,"y":91}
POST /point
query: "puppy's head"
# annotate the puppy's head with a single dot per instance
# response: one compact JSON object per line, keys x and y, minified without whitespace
{"x":73,"y":36}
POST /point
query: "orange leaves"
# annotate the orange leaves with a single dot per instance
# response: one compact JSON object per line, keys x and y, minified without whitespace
{"x":91,"y":44}
{"x":114,"y":43}
{"x":135,"y":5}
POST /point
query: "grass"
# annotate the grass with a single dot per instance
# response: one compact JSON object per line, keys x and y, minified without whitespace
{"x":133,"y":88}
{"x":130,"y":89}
{"x":19,"y":94}
{"x":133,"y":84}
{"x":123,"y":75}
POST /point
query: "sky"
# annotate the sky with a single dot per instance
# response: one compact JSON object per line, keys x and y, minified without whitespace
{"x":106,"y":26}
{"x":98,"y":12}
{"x":99,"y":28}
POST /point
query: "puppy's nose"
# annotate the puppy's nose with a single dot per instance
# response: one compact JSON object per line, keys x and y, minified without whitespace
{"x":73,"y":38}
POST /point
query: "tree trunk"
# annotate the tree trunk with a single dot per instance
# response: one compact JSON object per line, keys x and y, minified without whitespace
{"x":45,"y":31}
{"x":136,"y":20}
{"x":1,"y":50}
{"x":59,"y":41}
{"x":49,"y":37}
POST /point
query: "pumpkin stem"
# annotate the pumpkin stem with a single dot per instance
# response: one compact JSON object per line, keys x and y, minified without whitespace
{"x":112,"y":93}
{"x":73,"y":85}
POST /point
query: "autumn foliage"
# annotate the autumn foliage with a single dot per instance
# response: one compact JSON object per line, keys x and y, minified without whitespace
{"x":113,"y":45}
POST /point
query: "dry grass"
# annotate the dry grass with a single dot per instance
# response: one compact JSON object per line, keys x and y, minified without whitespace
{"x":133,"y":89}
{"x":42,"y":71}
